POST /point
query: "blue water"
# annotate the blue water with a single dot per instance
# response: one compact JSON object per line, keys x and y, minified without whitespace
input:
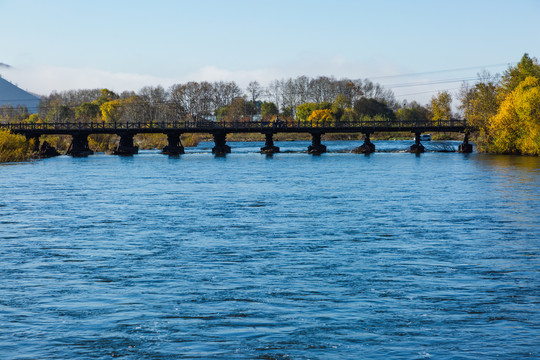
{"x":339,"y":256}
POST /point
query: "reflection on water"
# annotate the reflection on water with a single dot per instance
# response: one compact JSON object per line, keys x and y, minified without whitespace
{"x":338,"y":256}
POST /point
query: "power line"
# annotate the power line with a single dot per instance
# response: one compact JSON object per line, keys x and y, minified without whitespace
{"x":443,"y":71}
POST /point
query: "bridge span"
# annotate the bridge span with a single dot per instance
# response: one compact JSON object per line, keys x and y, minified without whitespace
{"x":79,"y":132}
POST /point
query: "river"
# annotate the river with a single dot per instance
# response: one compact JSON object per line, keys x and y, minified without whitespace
{"x":291,"y":256}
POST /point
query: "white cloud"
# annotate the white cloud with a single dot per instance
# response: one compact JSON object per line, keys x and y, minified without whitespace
{"x":45,"y":79}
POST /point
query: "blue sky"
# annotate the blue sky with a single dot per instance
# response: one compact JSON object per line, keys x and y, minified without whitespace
{"x":124,"y":45}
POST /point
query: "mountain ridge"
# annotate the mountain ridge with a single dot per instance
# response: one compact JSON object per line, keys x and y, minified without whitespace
{"x":12,"y":95}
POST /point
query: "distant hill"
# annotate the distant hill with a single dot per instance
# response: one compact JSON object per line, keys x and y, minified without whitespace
{"x":13,"y":95}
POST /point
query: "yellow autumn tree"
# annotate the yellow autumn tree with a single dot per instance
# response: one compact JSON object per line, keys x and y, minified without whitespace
{"x":515,"y":129}
{"x":111,"y":110}
{"x":441,"y":106}
{"x":322,"y":117}
{"x":14,"y":147}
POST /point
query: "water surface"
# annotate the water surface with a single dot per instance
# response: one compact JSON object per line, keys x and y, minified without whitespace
{"x":339,"y":256}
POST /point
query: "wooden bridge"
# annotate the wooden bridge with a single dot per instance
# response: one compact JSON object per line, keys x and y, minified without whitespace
{"x":219,"y":129}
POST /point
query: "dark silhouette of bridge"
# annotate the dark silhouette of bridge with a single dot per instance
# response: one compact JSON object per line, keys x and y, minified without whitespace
{"x":219,"y":130}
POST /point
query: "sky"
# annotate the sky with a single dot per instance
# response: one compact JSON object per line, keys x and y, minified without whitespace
{"x":413,"y":47}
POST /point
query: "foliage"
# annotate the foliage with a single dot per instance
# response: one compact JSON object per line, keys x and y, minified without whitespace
{"x":515,"y":129}
{"x":269,"y":108}
{"x":60,"y":113}
{"x":288,"y":111}
{"x":105,"y":95}
{"x":441,"y":106}
{"x":341,"y":102}
{"x":102,"y":142}
{"x":506,"y":113}
{"x":515,"y":75}
{"x":372,"y":107}
{"x":322,"y":117}
{"x":349,"y":116}
{"x":14,"y":147}
{"x":111,"y":110}
{"x":87,"y":111}
{"x":304,"y":111}
{"x":479,"y":104}
{"x":413,"y":112}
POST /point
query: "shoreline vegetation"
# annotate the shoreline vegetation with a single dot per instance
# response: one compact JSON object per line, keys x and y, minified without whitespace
{"x":15,"y":148}
{"x":503,"y":110}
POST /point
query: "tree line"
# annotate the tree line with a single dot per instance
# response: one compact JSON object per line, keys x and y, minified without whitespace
{"x":504,"y":110}
{"x":217,"y":100}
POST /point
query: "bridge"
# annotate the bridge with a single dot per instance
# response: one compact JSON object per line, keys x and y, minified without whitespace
{"x":79,"y":131}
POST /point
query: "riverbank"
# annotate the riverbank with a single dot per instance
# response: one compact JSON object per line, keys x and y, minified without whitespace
{"x":15,"y":148}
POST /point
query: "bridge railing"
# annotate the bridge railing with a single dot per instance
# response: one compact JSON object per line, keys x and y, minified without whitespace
{"x":202,"y":125}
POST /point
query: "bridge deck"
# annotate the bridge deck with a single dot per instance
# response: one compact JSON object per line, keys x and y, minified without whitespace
{"x":235,"y":127}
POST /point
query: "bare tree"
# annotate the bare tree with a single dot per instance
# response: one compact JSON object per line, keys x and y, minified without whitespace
{"x":274,"y":92}
{"x":254,"y":90}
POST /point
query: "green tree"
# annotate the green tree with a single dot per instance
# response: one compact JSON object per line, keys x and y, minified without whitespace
{"x":341,"y":102}
{"x":372,"y":108}
{"x":516,"y":74}
{"x":269,"y":108}
{"x":87,"y":112}
{"x":413,"y":112}
{"x":479,"y":104}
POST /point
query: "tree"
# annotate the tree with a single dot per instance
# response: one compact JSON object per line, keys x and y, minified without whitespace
{"x":322,"y":117}
{"x":111,"y":110}
{"x":104,"y":96}
{"x":339,"y":105}
{"x":372,"y":108}
{"x":238,"y":109}
{"x":478,"y":104}
{"x":87,"y":112}
{"x":413,"y":112}
{"x":254,"y":90}
{"x":516,"y":127}
{"x":516,"y":74}
{"x":269,"y":108}
{"x":304,"y":111}
{"x":505,"y":112}
{"x":441,"y":106}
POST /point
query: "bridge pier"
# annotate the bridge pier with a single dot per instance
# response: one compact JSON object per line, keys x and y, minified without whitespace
{"x":316,"y":148}
{"x":126,"y":147}
{"x":269,"y":147}
{"x":220,"y":140}
{"x":465,"y":147}
{"x":79,"y":145}
{"x":35,"y":148}
{"x":174,"y":145}
{"x":367,"y":147}
{"x":417,"y":148}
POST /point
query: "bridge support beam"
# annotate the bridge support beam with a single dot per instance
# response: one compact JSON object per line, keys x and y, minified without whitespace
{"x":367,"y":147}
{"x":417,"y":148}
{"x":269,"y":147}
{"x":221,"y":147}
{"x":126,"y":147}
{"x":174,"y":145}
{"x":465,"y":147}
{"x":79,"y":145}
{"x":316,"y":148}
